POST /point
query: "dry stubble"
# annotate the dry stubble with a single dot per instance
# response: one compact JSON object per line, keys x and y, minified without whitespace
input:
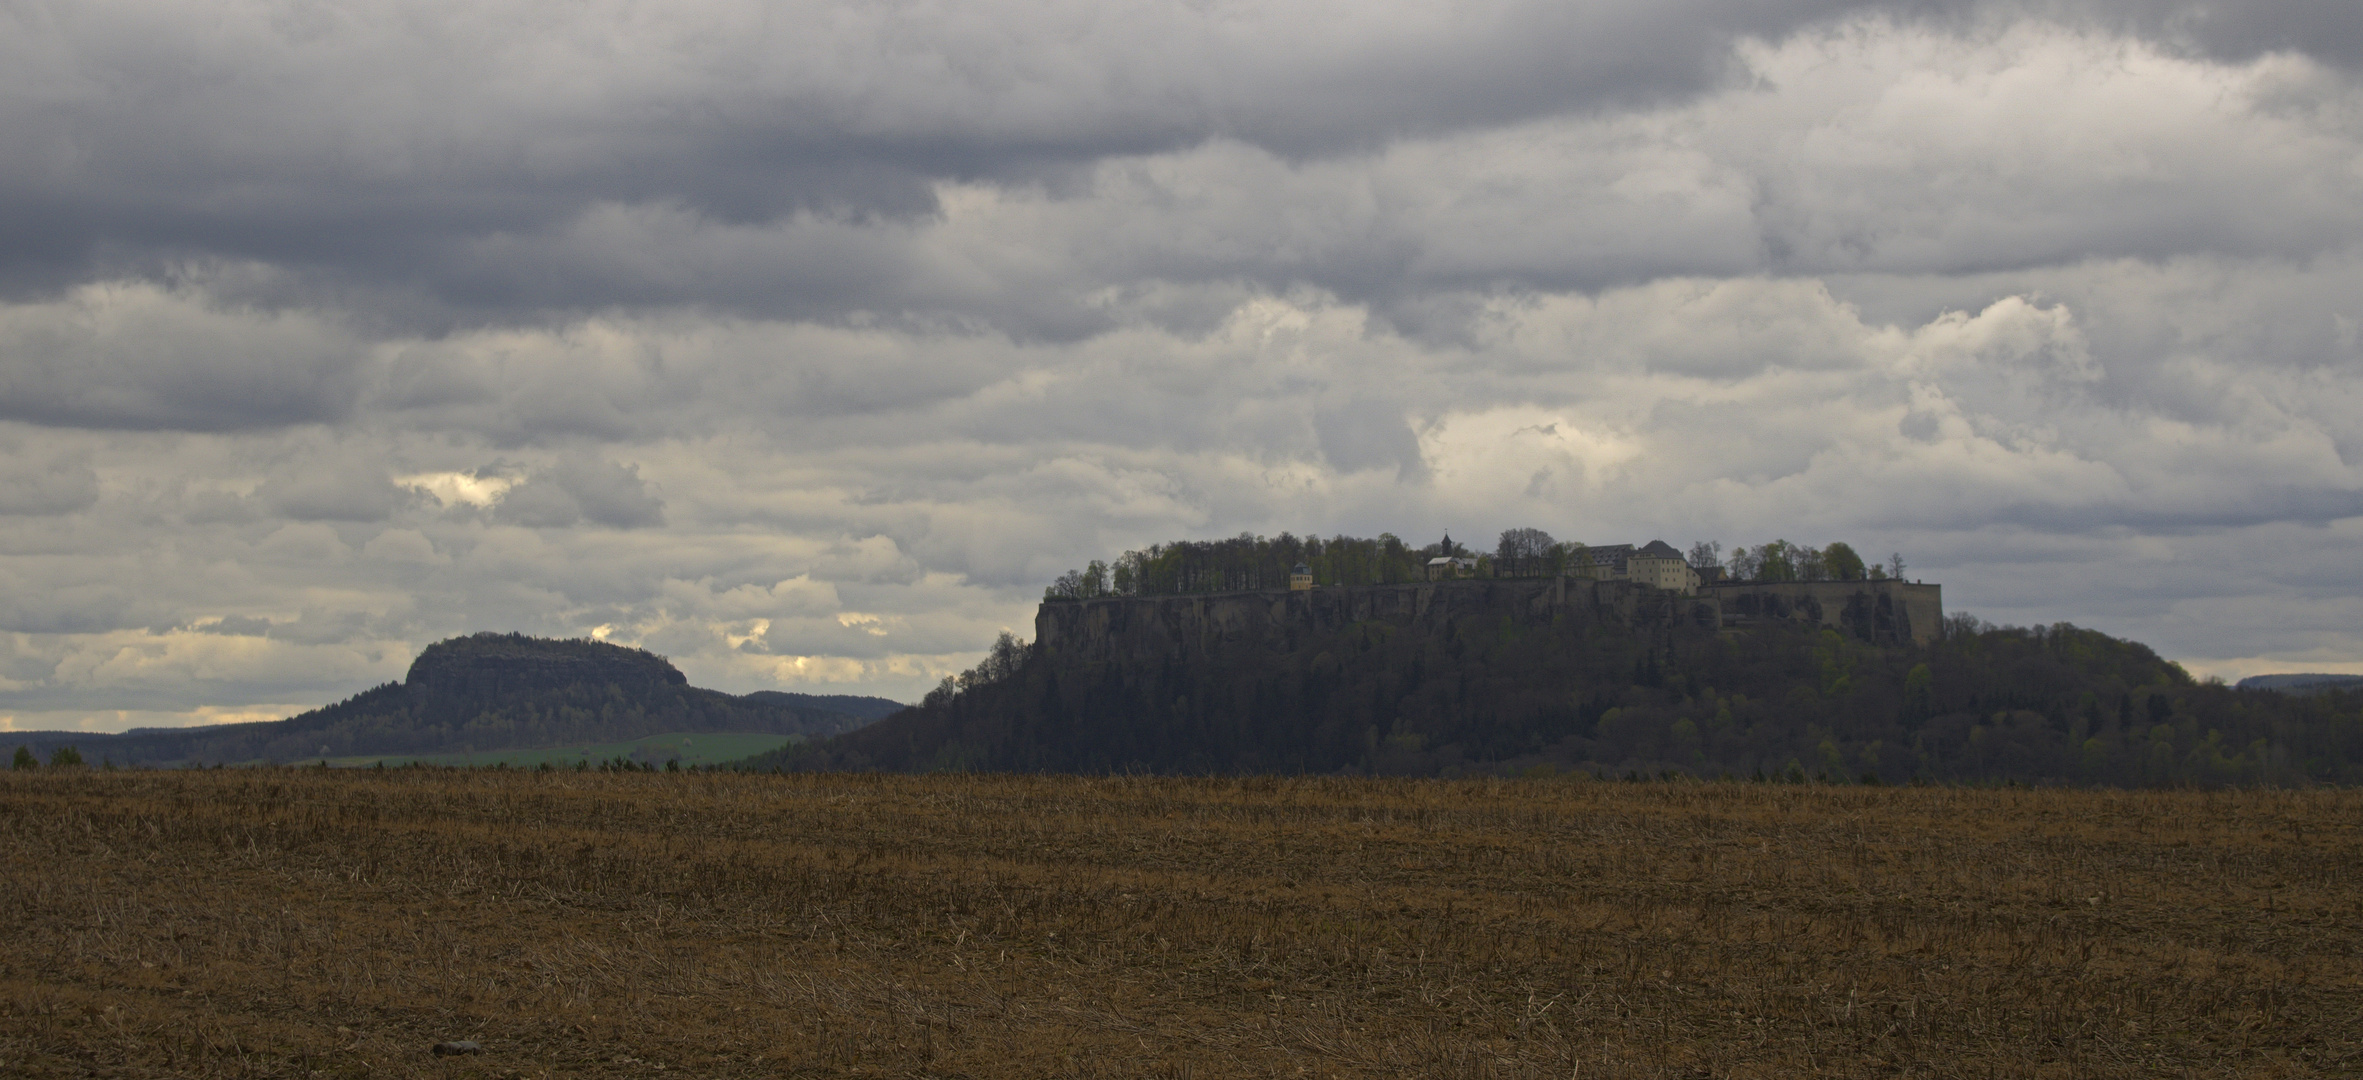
{"x":306,"y":922}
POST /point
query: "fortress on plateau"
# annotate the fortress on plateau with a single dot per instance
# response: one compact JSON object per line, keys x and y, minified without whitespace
{"x":1346,"y":655}
{"x":1132,"y":629}
{"x":1157,"y":604}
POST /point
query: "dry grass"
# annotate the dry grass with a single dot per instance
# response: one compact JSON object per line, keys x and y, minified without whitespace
{"x":303,"y":922}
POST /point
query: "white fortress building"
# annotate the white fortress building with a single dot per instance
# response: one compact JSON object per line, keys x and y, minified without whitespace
{"x":1654,"y":563}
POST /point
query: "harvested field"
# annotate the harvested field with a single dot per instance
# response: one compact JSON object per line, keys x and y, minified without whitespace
{"x":301,"y":922}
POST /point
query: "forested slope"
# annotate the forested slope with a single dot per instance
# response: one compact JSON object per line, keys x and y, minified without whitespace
{"x":1503,"y":687}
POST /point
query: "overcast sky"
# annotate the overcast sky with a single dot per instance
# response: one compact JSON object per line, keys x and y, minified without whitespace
{"x":804,"y":342}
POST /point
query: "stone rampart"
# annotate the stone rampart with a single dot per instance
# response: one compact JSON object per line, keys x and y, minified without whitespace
{"x":1154,"y":628}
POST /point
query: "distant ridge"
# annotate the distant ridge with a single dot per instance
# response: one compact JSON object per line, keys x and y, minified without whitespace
{"x":2312,"y":683}
{"x":867,"y":708}
{"x":487,"y":691}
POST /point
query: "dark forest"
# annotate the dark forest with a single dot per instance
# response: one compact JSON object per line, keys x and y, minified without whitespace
{"x":1492,"y":694}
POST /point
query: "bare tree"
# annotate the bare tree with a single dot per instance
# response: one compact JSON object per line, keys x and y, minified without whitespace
{"x":1706,"y":553}
{"x":1069,"y":586}
{"x":1524,"y":544}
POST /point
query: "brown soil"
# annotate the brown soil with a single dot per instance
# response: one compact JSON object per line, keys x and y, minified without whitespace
{"x":307,"y":922}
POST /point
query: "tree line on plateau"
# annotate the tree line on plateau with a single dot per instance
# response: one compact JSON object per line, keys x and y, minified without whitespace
{"x":1248,"y":562}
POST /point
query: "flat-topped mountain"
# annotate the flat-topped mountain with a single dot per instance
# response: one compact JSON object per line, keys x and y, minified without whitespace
{"x":454,"y":679}
{"x":1842,"y":681}
{"x":2304,"y":683}
{"x":855,"y":705}
{"x":1367,"y":655}
{"x":485,"y":692}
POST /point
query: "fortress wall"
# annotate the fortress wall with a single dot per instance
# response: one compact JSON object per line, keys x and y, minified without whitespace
{"x":1154,"y":628}
{"x":1873,"y":610}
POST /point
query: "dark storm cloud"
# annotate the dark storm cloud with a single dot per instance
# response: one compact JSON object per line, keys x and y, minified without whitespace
{"x":2327,"y":30}
{"x":137,"y":356}
{"x":487,"y":163}
{"x":32,"y":605}
{"x":40,"y":484}
{"x":805,"y":342}
{"x":1369,"y":434}
{"x":579,"y":489}
{"x":365,"y":141}
{"x":349,"y":490}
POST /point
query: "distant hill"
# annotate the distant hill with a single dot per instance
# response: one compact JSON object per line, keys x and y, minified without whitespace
{"x":2301,"y":684}
{"x":1512,"y":676}
{"x":487,"y":692}
{"x":867,"y":708}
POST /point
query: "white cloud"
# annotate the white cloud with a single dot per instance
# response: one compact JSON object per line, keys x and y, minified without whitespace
{"x":459,"y":488}
{"x":811,"y":372}
{"x":133,"y":354}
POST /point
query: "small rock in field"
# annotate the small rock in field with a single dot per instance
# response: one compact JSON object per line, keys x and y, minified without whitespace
{"x":457,"y":1046}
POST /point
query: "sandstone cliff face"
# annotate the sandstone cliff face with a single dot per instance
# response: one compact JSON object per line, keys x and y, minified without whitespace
{"x":1140,"y":630}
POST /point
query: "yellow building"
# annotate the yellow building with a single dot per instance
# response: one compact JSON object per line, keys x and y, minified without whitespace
{"x":1443,"y":568}
{"x":1300,"y":579}
{"x":1657,"y":563}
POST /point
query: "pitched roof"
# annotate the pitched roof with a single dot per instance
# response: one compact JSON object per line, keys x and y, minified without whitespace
{"x":1608,"y":554}
{"x":1657,"y":549}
